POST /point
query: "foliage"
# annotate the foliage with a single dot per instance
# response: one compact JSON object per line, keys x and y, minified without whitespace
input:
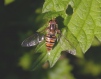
{"x":61,"y":70}
{"x":79,"y":29}
{"x":79,"y":22}
{"x":6,"y":2}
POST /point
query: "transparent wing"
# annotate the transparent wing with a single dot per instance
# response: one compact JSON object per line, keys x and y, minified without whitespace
{"x":67,"y":46}
{"x":33,"y":40}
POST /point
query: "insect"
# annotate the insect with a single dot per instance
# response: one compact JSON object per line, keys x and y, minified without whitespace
{"x":50,"y":37}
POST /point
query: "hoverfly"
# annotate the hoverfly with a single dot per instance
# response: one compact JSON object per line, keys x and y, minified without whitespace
{"x":50,"y":37}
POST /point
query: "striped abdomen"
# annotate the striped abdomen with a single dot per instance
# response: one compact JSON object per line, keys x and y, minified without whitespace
{"x":50,"y":41}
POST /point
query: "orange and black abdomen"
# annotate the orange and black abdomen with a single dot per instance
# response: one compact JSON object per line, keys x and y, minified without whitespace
{"x":50,"y":41}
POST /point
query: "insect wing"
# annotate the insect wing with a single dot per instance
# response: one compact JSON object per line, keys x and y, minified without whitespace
{"x":33,"y":40}
{"x":67,"y":46}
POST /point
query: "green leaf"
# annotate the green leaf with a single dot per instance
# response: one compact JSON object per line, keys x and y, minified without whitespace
{"x":66,"y":44}
{"x":38,"y":60}
{"x":96,"y":42}
{"x":96,"y":16}
{"x":94,"y":68}
{"x":55,"y":5}
{"x":75,"y":3}
{"x":39,"y":56}
{"x":79,"y":29}
{"x":6,"y":2}
{"x":25,"y":61}
{"x":40,"y":48}
{"x":61,"y":70}
{"x":95,"y":13}
{"x":83,"y":25}
{"x":70,"y":43}
{"x":52,"y":14}
{"x":54,"y":55}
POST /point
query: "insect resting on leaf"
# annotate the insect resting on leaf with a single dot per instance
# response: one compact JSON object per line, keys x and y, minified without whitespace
{"x":50,"y":37}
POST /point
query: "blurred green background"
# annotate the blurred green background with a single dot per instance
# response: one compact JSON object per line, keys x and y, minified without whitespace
{"x":18,"y":20}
